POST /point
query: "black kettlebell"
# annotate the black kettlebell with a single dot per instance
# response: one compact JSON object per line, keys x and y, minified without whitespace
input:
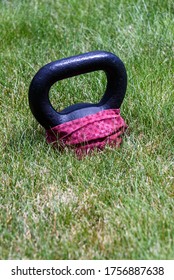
{"x":61,"y":69}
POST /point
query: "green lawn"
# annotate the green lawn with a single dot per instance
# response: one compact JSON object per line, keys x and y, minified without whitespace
{"x":118,"y":204}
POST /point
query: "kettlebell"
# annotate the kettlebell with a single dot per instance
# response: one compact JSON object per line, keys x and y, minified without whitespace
{"x":61,"y":69}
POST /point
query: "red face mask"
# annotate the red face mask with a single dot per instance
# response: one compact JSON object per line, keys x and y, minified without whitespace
{"x":89,"y":133}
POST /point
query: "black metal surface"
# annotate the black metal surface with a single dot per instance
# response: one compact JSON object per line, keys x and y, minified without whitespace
{"x":58,"y":70}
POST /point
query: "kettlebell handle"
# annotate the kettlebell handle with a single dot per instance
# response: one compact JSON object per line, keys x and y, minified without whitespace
{"x":61,"y":69}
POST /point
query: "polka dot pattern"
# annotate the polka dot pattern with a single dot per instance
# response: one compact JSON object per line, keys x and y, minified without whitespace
{"x":90,"y":132}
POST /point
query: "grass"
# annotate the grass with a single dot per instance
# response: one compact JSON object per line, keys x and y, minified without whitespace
{"x":118,"y":204}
